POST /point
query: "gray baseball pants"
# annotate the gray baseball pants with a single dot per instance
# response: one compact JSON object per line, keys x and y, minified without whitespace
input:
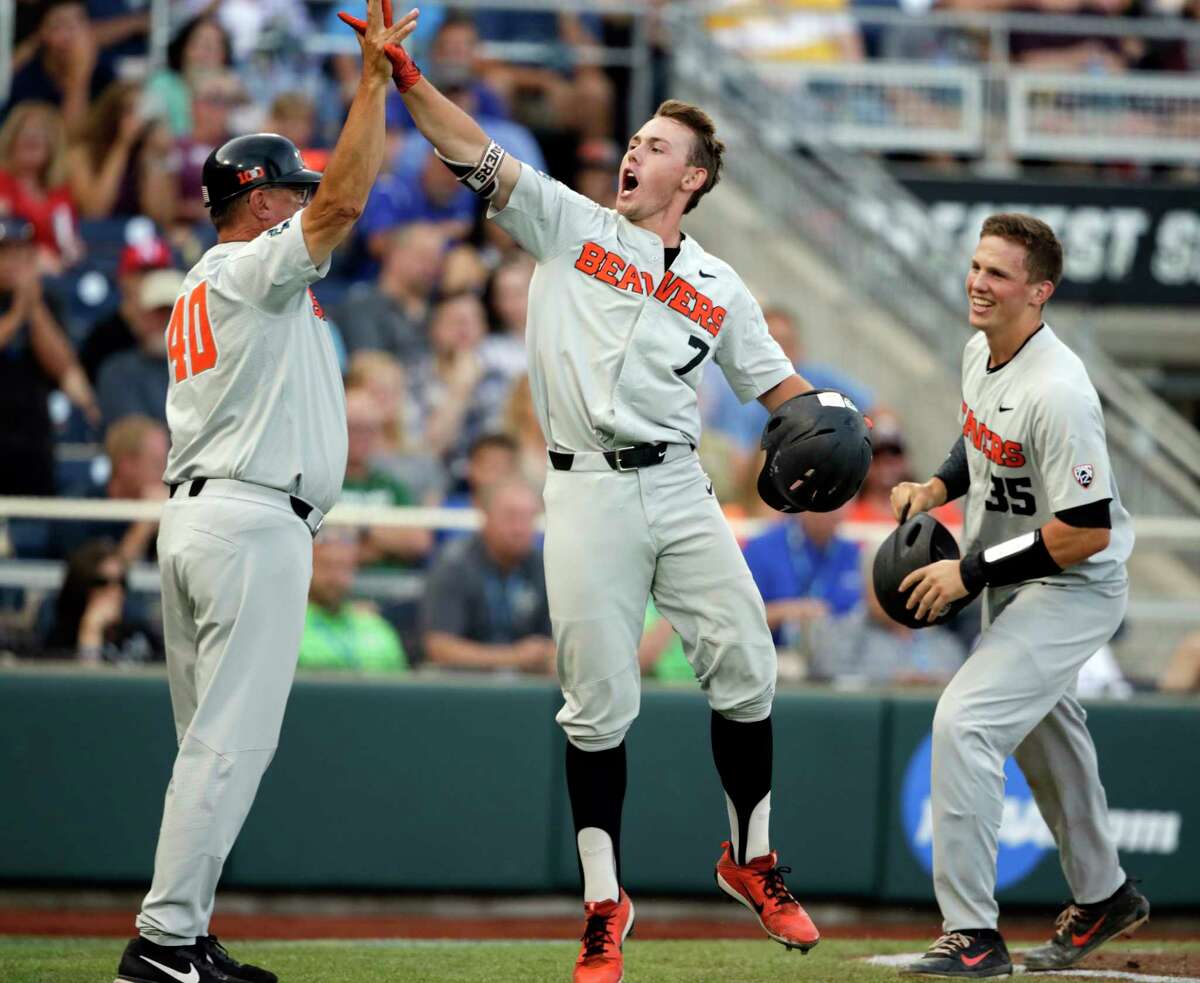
{"x":236,"y":563}
{"x":612,"y":540}
{"x":1015,"y":694}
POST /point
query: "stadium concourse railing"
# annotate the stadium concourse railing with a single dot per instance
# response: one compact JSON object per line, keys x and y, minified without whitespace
{"x":849,"y":209}
{"x":946,"y":81}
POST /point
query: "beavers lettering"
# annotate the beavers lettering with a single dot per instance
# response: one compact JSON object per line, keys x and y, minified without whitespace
{"x":675,"y":292}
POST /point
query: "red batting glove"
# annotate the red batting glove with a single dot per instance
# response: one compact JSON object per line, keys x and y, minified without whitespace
{"x":404,"y":70}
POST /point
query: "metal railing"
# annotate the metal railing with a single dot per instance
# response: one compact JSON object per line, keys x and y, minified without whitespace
{"x":879,"y":236}
{"x":947,"y":82}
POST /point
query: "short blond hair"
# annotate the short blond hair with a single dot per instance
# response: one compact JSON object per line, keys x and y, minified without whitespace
{"x":127,"y":435}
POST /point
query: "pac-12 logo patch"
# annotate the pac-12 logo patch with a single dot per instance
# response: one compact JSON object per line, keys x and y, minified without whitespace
{"x":1024,"y":837}
{"x":1084,"y":473}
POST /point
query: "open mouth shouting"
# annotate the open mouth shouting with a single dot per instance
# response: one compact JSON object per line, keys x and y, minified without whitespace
{"x":629,"y":182}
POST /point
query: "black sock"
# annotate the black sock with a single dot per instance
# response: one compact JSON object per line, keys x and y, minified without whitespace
{"x":596,"y":785}
{"x":742,"y":753}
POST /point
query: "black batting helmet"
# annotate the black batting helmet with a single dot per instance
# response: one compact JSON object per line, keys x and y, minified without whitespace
{"x":818,"y":453}
{"x":252,"y":161}
{"x":920,"y":541}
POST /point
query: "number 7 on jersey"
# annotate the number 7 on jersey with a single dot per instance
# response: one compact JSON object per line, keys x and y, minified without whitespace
{"x":190,"y":343}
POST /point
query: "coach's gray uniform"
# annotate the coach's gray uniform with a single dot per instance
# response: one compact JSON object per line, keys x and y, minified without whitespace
{"x":256,"y":406}
{"x":1035,"y":445}
{"x":616,"y":348}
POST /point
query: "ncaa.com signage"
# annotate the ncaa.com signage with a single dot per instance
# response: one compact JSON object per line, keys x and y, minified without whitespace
{"x":1124,"y":244}
{"x":1024,"y":837}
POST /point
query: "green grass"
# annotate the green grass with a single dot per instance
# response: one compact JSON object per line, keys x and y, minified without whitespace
{"x":49,"y":960}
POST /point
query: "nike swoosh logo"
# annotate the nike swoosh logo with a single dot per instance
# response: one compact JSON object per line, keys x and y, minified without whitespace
{"x":191,"y":976}
{"x":1079,"y":941}
{"x":972,"y":961}
{"x":707,"y":276}
{"x":709,"y":488}
{"x":1005,"y":409}
{"x":756,"y":906}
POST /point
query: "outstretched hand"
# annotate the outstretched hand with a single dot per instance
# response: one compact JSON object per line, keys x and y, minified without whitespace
{"x":379,"y":32}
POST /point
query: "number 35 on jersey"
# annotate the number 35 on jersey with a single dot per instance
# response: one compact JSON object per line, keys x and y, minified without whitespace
{"x":191,"y":347}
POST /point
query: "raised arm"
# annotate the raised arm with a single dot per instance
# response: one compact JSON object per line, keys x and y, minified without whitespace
{"x":457,"y":138}
{"x":358,"y":155}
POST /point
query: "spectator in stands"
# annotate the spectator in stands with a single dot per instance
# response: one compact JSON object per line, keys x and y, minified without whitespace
{"x":33,"y":184}
{"x":561,"y":89}
{"x":35,"y":356}
{"x":1183,"y":671}
{"x":119,"y":163}
{"x":117,"y":27}
{"x":338,"y":633}
{"x":93,"y":620}
{"x":507,"y":299}
{"x":136,"y":447}
{"x":116,"y":333}
{"x":462,"y":88}
{"x":485,"y":601}
{"x":459,"y":396}
{"x":865,"y":645}
{"x":200,"y":48}
{"x":522,"y":426}
{"x":429,"y":192}
{"x":595,"y":166}
{"x":400,"y":451}
{"x":212,"y":98}
{"x":135,"y":381}
{"x":799,"y":30}
{"x":464,"y":270}
{"x":491,"y":460}
{"x":63,"y":66}
{"x":366,"y":484}
{"x":1096,"y":55}
{"x":805,"y":570}
{"x":391,"y":315}
{"x":294,"y":116}
{"x":890,"y":466}
{"x":454,"y":52}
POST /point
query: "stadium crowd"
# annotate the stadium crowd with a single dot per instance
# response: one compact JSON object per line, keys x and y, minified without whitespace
{"x":101,"y":214}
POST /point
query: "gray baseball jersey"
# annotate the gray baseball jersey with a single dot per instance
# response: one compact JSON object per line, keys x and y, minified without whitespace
{"x":1035,"y":443}
{"x":255,"y":392}
{"x":616,"y":344}
{"x":1034,"y":438}
{"x":616,"y":347}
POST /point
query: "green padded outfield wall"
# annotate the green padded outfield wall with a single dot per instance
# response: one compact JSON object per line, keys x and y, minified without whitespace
{"x":1149,"y":753}
{"x":418,"y":785}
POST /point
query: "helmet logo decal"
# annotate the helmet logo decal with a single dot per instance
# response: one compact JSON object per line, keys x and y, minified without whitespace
{"x":248,"y":175}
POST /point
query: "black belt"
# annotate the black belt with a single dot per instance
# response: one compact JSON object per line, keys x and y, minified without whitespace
{"x":299,"y":506}
{"x":622,"y":459}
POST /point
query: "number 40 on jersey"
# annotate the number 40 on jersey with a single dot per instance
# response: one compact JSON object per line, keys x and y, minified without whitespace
{"x":190,"y":343}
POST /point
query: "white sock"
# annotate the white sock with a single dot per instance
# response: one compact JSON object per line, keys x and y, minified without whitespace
{"x":758,"y":832}
{"x":599,"y":863}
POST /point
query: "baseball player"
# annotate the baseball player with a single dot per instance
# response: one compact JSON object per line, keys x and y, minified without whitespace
{"x":1046,"y":540}
{"x":257,"y":417}
{"x":625,"y":313}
